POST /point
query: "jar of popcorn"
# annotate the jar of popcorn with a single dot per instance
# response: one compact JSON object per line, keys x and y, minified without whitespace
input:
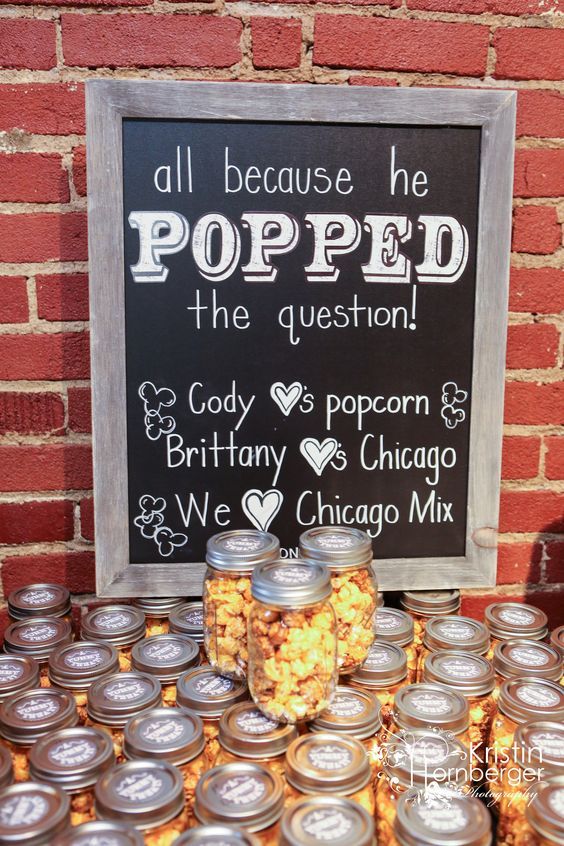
{"x":315,"y":820}
{"x":231,"y":558}
{"x":292,"y":640}
{"x":394,"y":626}
{"x":422,"y":605}
{"x":120,"y":625}
{"x":157,"y":610}
{"x":460,"y":633}
{"x":33,"y":814}
{"x":17,"y":673}
{"x":431,"y":706}
{"x":37,"y":638}
{"x":41,"y":600}
{"x":76,"y":666}
{"x":348,"y":554}
{"x":441,"y":817}
{"x":188,"y":619}
{"x":166,"y":657}
{"x":216,"y":835}
{"x":73,"y":759}
{"x":520,"y":658}
{"x":101,"y":833}
{"x":383,"y":673}
{"x":545,"y":818}
{"x":515,"y":621}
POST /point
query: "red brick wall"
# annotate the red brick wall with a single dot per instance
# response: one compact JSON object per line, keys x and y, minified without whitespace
{"x":48,"y":49}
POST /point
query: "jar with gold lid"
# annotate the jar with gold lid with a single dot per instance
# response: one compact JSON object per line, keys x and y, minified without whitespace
{"x":157,"y":610}
{"x":315,"y":820}
{"x":520,"y":658}
{"x":188,"y":619}
{"x":33,"y":814}
{"x":460,"y":633}
{"x":28,"y":716}
{"x":73,"y":759}
{"x":347,"y":553}
{"x":231,"y":558}
{"x":120,"y":625}
{"x":146,"y":794}
{"x":441,"y":817}
{"x":17,"y":673}
{"x":166,"y":657}
{"x":432,"y":706}
{"x":422,"y":605}
{"x":395,"y":626}
{"x":216,"y":835}
{"x":248,"y":795}
{"x":40,"y":600}
{"x":38,"y":638}
{"x":515,"y":621}
{"x":76,"y":666}
{"x":209,"y":694}
{"x":383,"y":673}
{"x":545,"y":817}
{"x":101,"y":833}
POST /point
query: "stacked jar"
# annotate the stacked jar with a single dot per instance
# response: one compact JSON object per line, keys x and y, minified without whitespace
{"x":520,"y":658}
{"x":440,"y":818}
{"x":100,"y":833}
{"x":120,"y":625}
{"x":460,"y":633}
{"x":348,"y":554}
{"x":40,"y":600}
{"x":157,"y":610}
{"x":188,"y":619}
{"x":383,"y":673}
{"x":397,"y":627}
{"x":38,"y":638}
{"x":17,"y":673}
{"x":76,"y":666}
{"x":545,"y":817}
{"x":33,"y":813}
{"x":514,"y":621}
{"x":423,"y":605}
{"x":314,"y":820}
{"x":166,"y":657}
{"x":431,"y":706}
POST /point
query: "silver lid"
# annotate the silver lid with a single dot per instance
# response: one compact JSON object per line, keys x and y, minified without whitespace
{"x":546,"y":814}
{"x":6,"y":767}
{"x":509,"y":620}
{"x":419,"y":758}
{"x":524,"y":699}
{"x":327,"y":762}
{"x":339,"y":547}
{"x":207,"y":693}
{"x":557,"y":639}
{"x":240,"y":550}
{"x":247,"y":794}
{"x":157,"y":606}
{"x":114,"y":699}
{"x":422,"y":705}
{"x":37,"y":637}
{"x":517,"y":658}
{"x":188,"y":619}
{"x":430,"y":603}
{"x":72,"y":759}
{"x":353,"y":712}
{"x":32,"y":814}
{"x":144,"y":793}
{"x":165,"y":656}
{"x":168,"y":734}
{"x":121,"y":625}
{"x":385,"y":665}
{"x":28,"y":716}
{"x":246,"y":731}
{"x":101,"y":833}
{"x":17,"y":673}
{"x":311,"y":820}
{"x":216,"y":835}
{"x":76,"y":665}
{"x":291,"y":584}
{"x":472,"y":675}
{"x":41,"y":600}
{"x":455,"y":632}
{"x":540,"y":742}
{"x":394,"y":626}
{"x":441,"y":816}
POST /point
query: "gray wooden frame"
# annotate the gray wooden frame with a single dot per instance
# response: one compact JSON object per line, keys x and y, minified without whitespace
{"x":107,"y":103}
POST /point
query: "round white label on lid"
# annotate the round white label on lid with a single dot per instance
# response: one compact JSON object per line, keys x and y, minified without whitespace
{"x":528,"y":656}
{"x":538,"y":696}
{"x":10,"y":672}
{"x":329,"y":756}
{"x":125,"y":691}
{"x":112,"y":621}
{"x":344,"y":705}
{"x":24,"y":810}
{"x":37,"y":633}
{"x":556,"y":802}
{"x":327,"y":824}
{"x":212,"y":685}
{"x":456,"y":631}
{"x":240,"y":790}
{"x":255,"y":722}
{"x":72,"y":753}
{"x":292,"y":575}
{"x":430,"y":703}
{"x":140,"y":787}
{"x":516,"y":616}
{"x":163,"y":731}
{"x":83,"y":659}
{"x":460,"y":668}
{"x":37,"y":597}
{"x":244,"y":544}
{"x":37,"y":709}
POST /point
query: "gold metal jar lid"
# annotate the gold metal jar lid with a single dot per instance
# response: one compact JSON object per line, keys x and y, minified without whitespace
{"x":327,"y":762}
{"x":352,"y":712}
{"x":216,"y":835}
{"x":167,"y":734}
{"x":249,"y":795}
{"x":540,"y":744}
{"x":339,"y":547}
{"x":469,"y":674}
{"x":453,"y":632}
{"x":423,"y":705}
{"x":385,"y":665}
{"x":188,"y":619}
{"x":517,"y":658}
{"x":546,"y":814}
{"x":37,"y":637}
{"x":72,"y":758}
{"x":246,"y":731}
{"x":114,"y":699}
{"x":122,"y":625}
{"x":312,"y":820}
{"x":77,"y":665}
{"x":165,"y":656}
{"x":40,"y":600}
{"x":430,"y":603}
{"x":419,"y":758}
{"x":145,"y":794}
{"x":240,"y":550}
{"x":32,"y":813}
{"x":6,"y":767}
{"x":101,"y":833}
{"x":441,"y":817}
{"x":157,"y":606}
{"x":28,"y":716}
{"x":17,"y":673}
{"x":557,"y":639}
{"x":294,"y":584}
{"x":526,"y":698}
{"x":207,"y":693}
{"x":394,"y":626}
{"x":509,"y":620}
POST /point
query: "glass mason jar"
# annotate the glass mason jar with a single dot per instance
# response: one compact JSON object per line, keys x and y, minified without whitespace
{"x":248,"y":795}
{"x":515,"y":621}
{"x":76,"y":666}
{"x":41,"y":600}
{"x":216,"y":835}
{"x":441,"y":817}
{"x":460,"y":633}
{"x":348,"y":554}
{"x":545,"y":817}
{"x":292,"y":640}
{"x":157,"y":610}
{"x":326,"y":762}
{"x":28,"y":716}
{"x":383,"y":673}
{"x":319,"y":819}
{"x":101,"y":833}
{"x":113,"y":700}
{"x":17,"y":673}
{"x":394,"y":626}
{"x":174,"y":736}
{"x":33,"y":814}
{"x":73,"y":759}
{"x":188,"y":619}
{"x":120,"y":625}
{"x":431,"y":706}
{"x":422,"y":605}
{"x":209,"y":695}
{"x":37,"y":638}
{"x":149,"y":795}
{"x":166,"y":657}
{"x":355,"y":713}
{"x":519,"y":658}
{"x":231,"y":558}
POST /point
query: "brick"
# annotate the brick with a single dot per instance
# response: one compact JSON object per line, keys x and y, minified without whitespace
{"x":87,"y":518}
{"x":531,"y":511}
{"x":539,"y":290}
{"x":33,"y":178}
{"x":531,"y":345}
{"x":31,"y":413}
{"x":13,"y":299}
{"x":51,"y":467}
{"x":554,"y":458}
{"x":408,"y":45}
{"x":522,"y":7}
{"x":554,"y":561}
{"x":73,"y":569}
{"x":529,"y":53}
{"x":474,"y":606}
{"x":549,"y":601}
{"x":79,"y":170}
{"x":518,"y":562}
{"x":464,"y":7}
{"x":104,"y":3}
{"x":534,"y":404}
{"x":373,"y":80}
{"x":27,"y":43}
{"x":43,"y":237}
{"x":151,"y":41}
{"x":539,"y":173}
{"x":48,"y":356}
{"x":540,"y":113}
{"x":62,"y":296}
{"x":44,"y":108}
{"x":520,"y":458}
{"x":4,"y":621}
{"x":535,"y":230}
{"x":277,"y":42}
{"x":36,"y":522}
{"x":80,"y":412}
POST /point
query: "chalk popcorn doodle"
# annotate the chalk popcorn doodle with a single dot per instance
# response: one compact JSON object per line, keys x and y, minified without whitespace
{"x":453,"y":396}
{"x":154,"y":400}
{"x":150,"y":524}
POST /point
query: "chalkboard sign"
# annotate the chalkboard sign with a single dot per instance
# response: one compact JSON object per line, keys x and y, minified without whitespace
{"x":298,"y":316}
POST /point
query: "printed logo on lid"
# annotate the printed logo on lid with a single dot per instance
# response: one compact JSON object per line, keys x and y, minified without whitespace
{"x":460,"y":668}
{"x":126,"y":691}
{"x":329,"y":756}
{"x":516,"y":616}
{"x":426,"y":752}
{"x":10,"y":672}
{"x":83,"y":659}
{"x":345,"y":705}
{"x":244,"y":543}
{"x":38,"y":708}
{"x":163,"y":731}
{"x":378,"y":656}
{"x":292,"y":575}
{"x":97,"y":840}
{"x":240,"y":790}
{"x":556,"y":801}
{"x":37,"y":633}
{"x":71,"y":753}
{"x":195,"y":617}
{"x":456,"y":631}
{"x":543,"y":697}
{"x":327,"y":824}
{"x":387,"y":622}
{"x":335,"y":541}
{"x":37,"y":597}
{"x":213,"y":685}
{"x":24,"y":810}
{"x":140,"y":787}
{"x":430,"y":703}
{"x":438,"y":815}
{"x":113,"y":620}
{"x":163,"y":651}
{"x":528,"y":656}
{"x":548,"y":742}
{"x":255,"y":722}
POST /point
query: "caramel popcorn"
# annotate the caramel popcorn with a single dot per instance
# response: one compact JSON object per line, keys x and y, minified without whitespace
{"x":82,"y":807}
{"x":227,"y":602}
{"x":354,"y":600}
{"x":166,"y":834}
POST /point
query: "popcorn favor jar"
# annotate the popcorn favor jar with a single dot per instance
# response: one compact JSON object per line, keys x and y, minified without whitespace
{"x":120,"y":625}
{"x":383,"y":673}
{"x":41,"y":600}
{"x":188,"y":619}
{"x":348,"y":555}
{"x":422,"y":605}
{"x":33,"y":814}
{"x":460,"y":633}
{"x":166,"y":657}
{"x":515,"y":621}
{"x":314,"y":820}
{"x":292,"y":640}
{"x":38,"y":638}
{"x":157,"y":610}
{"x":519,"y":658}
{"x":76,"y":666}
{"x":17,"y":673}
{"x":231,"y":558}
{"x":441,"y":818}
{"x":100,"y":833}
{"x":545,"y":817}
{"x":431,"y":706}
{"x":394,"y":626}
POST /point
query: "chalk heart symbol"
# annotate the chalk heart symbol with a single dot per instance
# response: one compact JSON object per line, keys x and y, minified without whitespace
{"x":286,"y":397}
{"x":318,"y":453}
{"x":262,"y":507}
